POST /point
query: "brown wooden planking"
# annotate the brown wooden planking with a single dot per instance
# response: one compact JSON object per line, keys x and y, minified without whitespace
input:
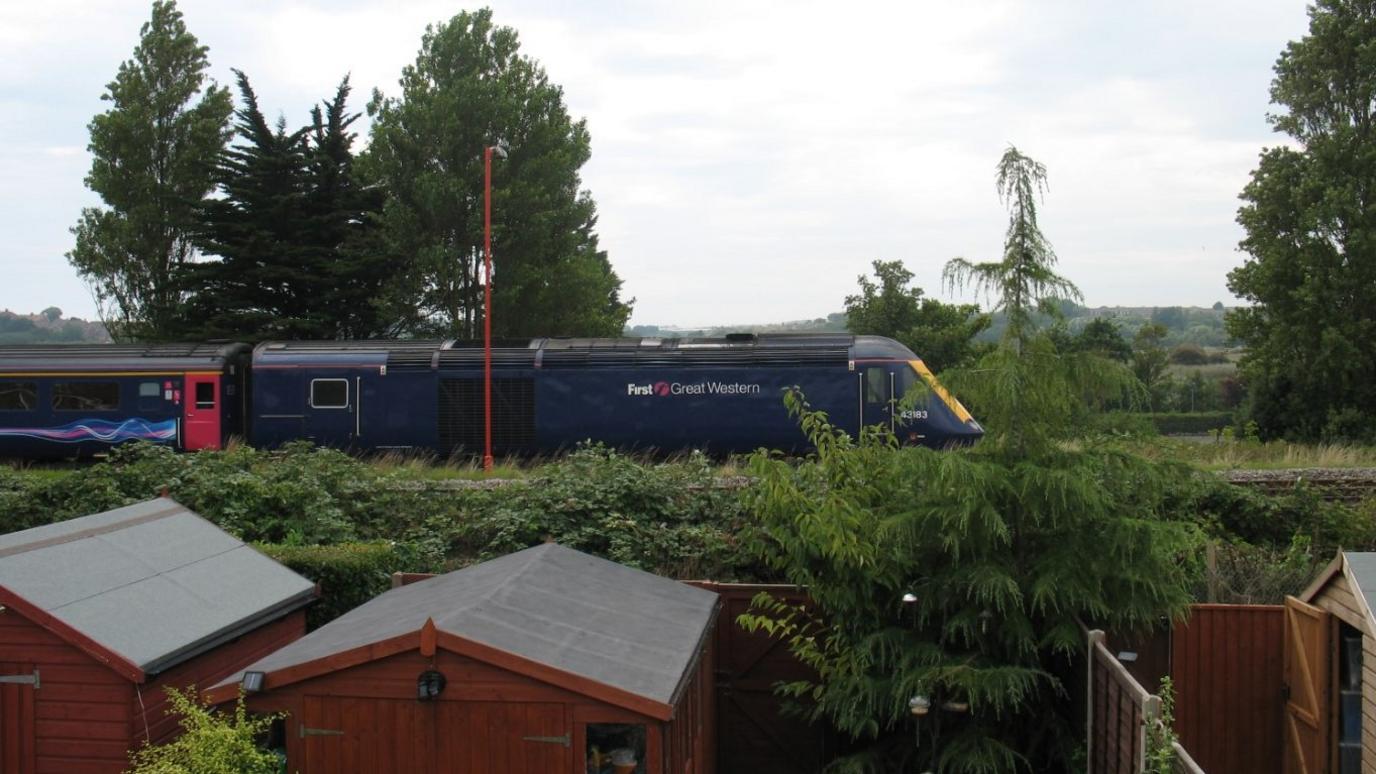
{"x":1227,"y":675}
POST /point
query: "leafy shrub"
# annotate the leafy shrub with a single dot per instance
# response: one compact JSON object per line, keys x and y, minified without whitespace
{"x":672,"y":519}
{"x":212,"y":743}
{"x":1191,"y":423}
{"x":1245,"y":574}
{"x":1189,"y":354}
{"x":349,"y":574}
{"x":1234,"y":513}
{"x":1123,"y":423}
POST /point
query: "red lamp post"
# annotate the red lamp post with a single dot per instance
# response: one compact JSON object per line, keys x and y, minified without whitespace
{"x":500,"y":150}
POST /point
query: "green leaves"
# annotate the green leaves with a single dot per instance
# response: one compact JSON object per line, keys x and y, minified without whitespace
{"x":152,"y":152}
{"x":942,"y":334}
{"x":1001,"y":558}
{"x":211,"y":743}
{"x":1310,"y":236}
{"x":468,"y":88}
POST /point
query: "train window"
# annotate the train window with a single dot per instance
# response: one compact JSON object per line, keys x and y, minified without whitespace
{"x":18,"y":396}
{"x":85,"y":396}
{"x":876,"y":385}
{"x":205,"y":395}
{"x":149,"y":389}
{"x":330,"y":393}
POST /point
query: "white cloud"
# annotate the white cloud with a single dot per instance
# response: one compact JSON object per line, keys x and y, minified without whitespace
{"x":751,"y":157}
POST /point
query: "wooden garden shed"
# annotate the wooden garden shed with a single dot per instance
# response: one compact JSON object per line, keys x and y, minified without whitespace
{"x":98,"y":615}
{"x":545,"y":661}
{"x":1330,"y":670}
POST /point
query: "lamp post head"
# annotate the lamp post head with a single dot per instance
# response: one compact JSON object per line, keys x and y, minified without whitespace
{"x":500,"y":148}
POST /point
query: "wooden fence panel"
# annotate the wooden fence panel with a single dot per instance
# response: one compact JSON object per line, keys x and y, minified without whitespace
{"x":1226,"y":667}
{"x":755,"y":735}
{"x":1117,"y":714}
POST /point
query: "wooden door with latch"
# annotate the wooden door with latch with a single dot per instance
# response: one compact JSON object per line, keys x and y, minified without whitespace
{"x":1308,"y":653}
{"x":17,"y":685}
{"x":484,"y":737}
{"x":354,"y":735}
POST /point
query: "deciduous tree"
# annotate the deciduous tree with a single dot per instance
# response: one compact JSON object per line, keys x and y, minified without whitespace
{"x":469,"y":88}
{"x":153,"y":155}
{"x":943,"y":335}
{"x":1311,"y":237}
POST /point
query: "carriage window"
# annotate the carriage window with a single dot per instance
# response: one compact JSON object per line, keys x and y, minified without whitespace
{"x":876,"y":385}
{"x":330,"y":393}
{"x":86,"y":396}
{"x":205,"y":395}
{"x":149,"y":389}
{"x":18,"y":396}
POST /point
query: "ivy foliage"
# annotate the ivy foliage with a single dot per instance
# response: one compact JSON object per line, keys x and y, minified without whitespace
{"x":956,"y":582}
{"x":211,"y":742}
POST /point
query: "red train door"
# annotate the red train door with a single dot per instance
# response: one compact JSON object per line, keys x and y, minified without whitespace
{"x":201,"y":407}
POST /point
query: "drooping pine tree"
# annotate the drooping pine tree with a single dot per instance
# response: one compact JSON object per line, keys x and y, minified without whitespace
{"x":954,"y":583}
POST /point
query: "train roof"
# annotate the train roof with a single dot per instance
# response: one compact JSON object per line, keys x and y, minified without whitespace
{"x":119,"y":357}
{"x":744,"y":348}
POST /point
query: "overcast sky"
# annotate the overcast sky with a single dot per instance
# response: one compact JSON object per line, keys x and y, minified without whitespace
{"x":751,"y":158}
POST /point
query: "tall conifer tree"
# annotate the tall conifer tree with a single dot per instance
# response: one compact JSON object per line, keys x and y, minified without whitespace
{"x":290,"y":232}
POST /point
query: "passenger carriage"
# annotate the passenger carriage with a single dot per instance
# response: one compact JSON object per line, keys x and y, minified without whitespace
{"x":76,"y":400}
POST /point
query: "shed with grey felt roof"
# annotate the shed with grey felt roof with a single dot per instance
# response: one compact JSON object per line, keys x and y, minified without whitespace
{"x":547,"y":626}
{"x":111,"y":609}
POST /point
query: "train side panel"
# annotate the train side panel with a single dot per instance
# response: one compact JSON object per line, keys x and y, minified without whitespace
{"x":720,"y":410}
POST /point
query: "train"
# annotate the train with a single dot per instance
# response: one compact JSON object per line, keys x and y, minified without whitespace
{"x":719,"y":395}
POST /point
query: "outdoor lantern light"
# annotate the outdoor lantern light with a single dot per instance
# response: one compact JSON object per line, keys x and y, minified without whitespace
{"x":429,"y":685}
{"x":918,"y":705}
{"x":1127,"y":656}
{"x":909,"y":598}
{"x":985,"y":616}
{"x":252,"y":682}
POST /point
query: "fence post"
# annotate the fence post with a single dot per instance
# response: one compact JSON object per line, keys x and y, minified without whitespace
{"x":1151,"y":712}
{"x":1094,"y":637}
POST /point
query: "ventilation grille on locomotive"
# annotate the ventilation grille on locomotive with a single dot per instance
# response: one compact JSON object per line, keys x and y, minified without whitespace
{"x":461,"y":415}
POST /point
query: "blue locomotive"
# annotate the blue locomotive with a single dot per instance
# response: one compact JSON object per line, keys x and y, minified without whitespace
{"x":719,"y":395}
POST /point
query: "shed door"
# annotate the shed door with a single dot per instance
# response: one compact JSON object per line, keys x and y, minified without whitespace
{"x":347,"y":735}
{"x":478,"y":737}
{"x":1307,"y":656}
{"x":17,"y":684}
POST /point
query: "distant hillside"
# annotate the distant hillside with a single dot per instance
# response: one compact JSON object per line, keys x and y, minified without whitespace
{"x":835,"y":322}
{"x":1184,"y":324}
{"x":49,"y":327}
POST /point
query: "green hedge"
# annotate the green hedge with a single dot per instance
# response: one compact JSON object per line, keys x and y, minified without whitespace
{"x":1191,"y":424}
{"x":349,"y":574}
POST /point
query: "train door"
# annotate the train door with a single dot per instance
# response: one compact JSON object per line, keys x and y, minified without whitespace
{"x":877,"y":397}
{"x":332,"y":418}
{"x":201,"y":405}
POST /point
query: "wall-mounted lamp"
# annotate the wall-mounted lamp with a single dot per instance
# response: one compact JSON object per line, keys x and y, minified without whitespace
{"x":909,"y":598}
{"x":430,"y":685}
{"x":1127,"y":656}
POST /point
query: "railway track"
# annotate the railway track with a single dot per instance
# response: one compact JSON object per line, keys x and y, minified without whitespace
{"x":1347,"y":485}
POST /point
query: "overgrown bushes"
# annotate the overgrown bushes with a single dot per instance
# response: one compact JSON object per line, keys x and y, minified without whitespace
{"x":312,"y":508}
{"x":349,"y":574}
